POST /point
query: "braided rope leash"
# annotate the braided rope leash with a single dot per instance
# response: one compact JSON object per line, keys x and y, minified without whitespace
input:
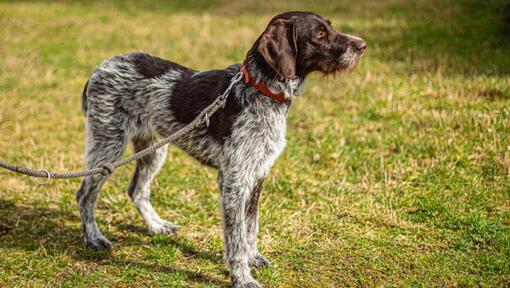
{"x":109,"y":168}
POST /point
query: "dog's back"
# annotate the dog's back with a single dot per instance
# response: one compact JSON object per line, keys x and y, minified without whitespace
{"x":133,"y":85}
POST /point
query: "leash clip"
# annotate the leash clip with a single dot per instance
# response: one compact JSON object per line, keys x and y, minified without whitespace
{"x":239,"y":75}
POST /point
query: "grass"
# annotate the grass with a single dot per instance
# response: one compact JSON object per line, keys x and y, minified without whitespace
{"x":395,"y":175}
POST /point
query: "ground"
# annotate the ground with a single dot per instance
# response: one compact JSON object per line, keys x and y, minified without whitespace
{"x":395,"y":175}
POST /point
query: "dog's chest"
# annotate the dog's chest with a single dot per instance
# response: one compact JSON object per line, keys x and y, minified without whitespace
{"x":257,"y":139}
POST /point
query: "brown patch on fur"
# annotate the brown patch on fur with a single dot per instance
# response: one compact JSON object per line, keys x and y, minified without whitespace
{"x":254,"y":199}
{"x":150,"y":66}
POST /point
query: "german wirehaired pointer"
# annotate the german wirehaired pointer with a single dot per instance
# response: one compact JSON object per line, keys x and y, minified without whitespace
{"x":140,"y":98}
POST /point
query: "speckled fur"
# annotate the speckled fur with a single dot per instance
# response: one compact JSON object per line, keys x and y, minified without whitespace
{"x":140,"y":98}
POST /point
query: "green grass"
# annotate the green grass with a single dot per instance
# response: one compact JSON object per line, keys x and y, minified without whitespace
{"x":395,"y":175}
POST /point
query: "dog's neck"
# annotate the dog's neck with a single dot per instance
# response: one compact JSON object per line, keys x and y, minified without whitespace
{"x":261,"y":73}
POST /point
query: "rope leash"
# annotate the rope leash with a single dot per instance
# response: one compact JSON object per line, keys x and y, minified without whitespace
{"x":109,"y":168}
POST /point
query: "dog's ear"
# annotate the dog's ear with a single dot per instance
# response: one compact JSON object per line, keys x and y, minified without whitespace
{"x":279,"y":48}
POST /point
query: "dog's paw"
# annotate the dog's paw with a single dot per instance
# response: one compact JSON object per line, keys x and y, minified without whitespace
{"x":251,"y":284}
{"x":163,"y":227}
{"x":258,"y":261}
{"x":98,"y":243}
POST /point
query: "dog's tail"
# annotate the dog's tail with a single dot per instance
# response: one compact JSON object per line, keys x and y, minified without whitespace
{"x":84,"y":98}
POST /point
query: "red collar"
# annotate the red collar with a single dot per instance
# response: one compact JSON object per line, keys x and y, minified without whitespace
{"x":261,"y":87}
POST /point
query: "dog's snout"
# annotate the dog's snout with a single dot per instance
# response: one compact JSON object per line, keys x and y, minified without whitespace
{"x":360,"y":45}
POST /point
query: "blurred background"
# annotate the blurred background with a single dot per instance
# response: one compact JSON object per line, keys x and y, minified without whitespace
{"x":394,"y":175}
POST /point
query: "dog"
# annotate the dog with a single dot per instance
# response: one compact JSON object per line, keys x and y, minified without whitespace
{"x":140,"y":98}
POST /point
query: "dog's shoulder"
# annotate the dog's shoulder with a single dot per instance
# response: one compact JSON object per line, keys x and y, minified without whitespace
{"x":190,"y":97}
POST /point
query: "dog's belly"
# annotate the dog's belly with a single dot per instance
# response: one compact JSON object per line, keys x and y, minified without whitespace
{"x":202,"y":148}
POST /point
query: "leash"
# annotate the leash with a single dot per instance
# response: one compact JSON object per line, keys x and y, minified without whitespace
{"x":109,"y":168}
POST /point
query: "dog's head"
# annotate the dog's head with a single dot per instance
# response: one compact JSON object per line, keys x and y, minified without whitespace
{"x":297,"y":43}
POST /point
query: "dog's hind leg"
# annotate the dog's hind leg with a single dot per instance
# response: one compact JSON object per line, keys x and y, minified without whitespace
{"x":139,"y":188}
{"x":103,"y":146}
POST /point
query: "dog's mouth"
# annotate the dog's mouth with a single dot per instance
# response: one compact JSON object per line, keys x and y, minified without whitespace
{"x":344,"y":64}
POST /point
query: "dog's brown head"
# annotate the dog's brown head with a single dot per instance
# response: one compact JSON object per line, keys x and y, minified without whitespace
{"x":297,"y":43}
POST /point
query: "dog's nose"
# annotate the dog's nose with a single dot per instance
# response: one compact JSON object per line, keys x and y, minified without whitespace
{"x":360,"y":45}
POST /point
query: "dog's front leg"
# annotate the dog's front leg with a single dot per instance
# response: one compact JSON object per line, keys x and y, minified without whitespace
{"x":234,"y":192}
{"x":256,"y":260}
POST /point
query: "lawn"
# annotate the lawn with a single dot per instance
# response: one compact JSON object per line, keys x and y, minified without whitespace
{"x":397,"y":174}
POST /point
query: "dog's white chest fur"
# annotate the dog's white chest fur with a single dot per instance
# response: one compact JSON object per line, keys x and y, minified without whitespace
{"x":258,"y":138}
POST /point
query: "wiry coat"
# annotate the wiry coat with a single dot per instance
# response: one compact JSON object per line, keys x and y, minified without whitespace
{"x":140,"y":98}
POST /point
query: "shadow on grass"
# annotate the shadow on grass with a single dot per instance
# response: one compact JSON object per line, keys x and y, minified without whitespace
{"x":33,"y":228}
